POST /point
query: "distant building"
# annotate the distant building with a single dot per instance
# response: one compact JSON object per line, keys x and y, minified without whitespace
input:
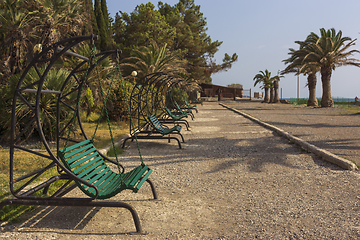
{"x":210,"y":90}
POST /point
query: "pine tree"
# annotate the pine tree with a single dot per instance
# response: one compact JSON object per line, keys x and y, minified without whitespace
{"x":95,"y":29}
{"x":102,"y":27}
{"x":105,"y":14}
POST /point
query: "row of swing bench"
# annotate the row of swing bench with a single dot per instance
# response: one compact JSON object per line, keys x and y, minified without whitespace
{"x":156,"y":126}
{"x":81,"y":164}
{"x":97,"y":180}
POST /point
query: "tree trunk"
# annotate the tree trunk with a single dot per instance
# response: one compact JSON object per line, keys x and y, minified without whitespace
{"x":326,"y":100}
{"x":276,"y":92}
{"x":266,"y":98}
{"x":312,"y":101}
{"x":271,"y":95}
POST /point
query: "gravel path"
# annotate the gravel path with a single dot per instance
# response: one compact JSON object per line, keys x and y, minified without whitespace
{"x":233,"y":179}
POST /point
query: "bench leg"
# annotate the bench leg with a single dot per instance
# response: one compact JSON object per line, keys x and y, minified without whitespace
{"x":77,"y":202}
{"x":182,"y":138}
{"x":176,"y":140}
{"x":153,"y":189}
{"x":123,"y":145}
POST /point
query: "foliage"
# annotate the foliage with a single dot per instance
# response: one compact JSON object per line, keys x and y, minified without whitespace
{"x":325,"y":53}
{"x":152,"y":59}
{"x":102,"y":20}
{"x":182,"y":27}
{"x":54,"y":80}
{"x":263,"y":78}
{"x":296,"y":61}
{"x":41,"y":22}
{"x":120,"y":112}
{"x":172,"y":39}
{"x":235,"y":85}
{"x":176,"y":95}
{"x":141,"y":26}
{"x":268,"y":82}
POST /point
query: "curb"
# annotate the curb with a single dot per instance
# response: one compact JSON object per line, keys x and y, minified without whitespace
{"x":105,"y":150}
{"x":328,"y":156}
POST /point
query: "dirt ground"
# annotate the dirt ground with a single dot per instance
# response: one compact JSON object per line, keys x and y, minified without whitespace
{"x":233,"y":179}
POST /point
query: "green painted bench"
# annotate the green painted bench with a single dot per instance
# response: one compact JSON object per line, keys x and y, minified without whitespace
{"x":175,"y":117}
{"x":161,"y":129}
{"x":93,"y":175}
{"x":191,"y":107}
{"x":184,"y":110}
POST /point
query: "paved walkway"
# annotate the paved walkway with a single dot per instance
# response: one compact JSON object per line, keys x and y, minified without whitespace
{"x":233,"y":179}
{"x":333,"y":129}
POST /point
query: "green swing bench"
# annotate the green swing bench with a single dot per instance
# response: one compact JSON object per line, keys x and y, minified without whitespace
{"x":184,"y":110}
{"x":191,"y":107}
{"x":92,"y":175}
{"x":169,"y":117}
{"x":161,"y":129}
{"x":89,"y":168}
{"x":95,"y":178}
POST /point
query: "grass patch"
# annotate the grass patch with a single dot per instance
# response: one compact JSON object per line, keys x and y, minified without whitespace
{"x":351,"y":109}
{"x":300,"y":101}
{"x":111,"y":152}
{"x":357,"y":166}
{"x":23,"y":163}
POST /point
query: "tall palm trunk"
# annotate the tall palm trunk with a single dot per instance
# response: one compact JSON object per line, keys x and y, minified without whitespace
{"x":326,"y":100}
{"x":271,"y":95}
{"x":312,"y":101}
{"x":266,"y":98}
{"x":276,"y":92}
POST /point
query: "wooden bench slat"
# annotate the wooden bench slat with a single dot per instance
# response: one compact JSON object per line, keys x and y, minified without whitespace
{"x":78,"y":150}
{"x":82,"y":158}
{"x":89,"y":166}
{"x":96,"y":178}
{"x":138,"y":186}
{"x":138,"y":176}
{"x":87,"y":176}
{"x":105,"y":180}
{"x":76,"y":145}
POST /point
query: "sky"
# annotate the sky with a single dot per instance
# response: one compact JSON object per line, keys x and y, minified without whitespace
{"x":261,"y":32}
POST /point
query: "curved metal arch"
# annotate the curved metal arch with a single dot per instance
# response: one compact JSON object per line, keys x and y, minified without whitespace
{"x":27,"y":95}
{"x":179,"y":83}
{"x":148,"y":97}
{"x":78,"y":77}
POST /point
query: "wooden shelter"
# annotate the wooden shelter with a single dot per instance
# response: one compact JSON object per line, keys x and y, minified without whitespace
{"x":211,"y":90}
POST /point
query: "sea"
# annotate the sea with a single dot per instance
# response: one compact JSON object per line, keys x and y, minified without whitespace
{"x":335,"y":99}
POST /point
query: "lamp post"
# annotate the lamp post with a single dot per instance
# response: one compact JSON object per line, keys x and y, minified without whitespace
{"x":297,"y":90}
{"x":134,"y":74}
{"x":298,"y":87}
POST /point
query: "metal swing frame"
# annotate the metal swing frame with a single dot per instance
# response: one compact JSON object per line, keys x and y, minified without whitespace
{"x":29,"y":94}
{"x":148,"y":98}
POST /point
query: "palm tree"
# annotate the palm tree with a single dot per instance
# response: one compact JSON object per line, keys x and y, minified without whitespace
{"x":275,"y":81}
{"x":267,"y":83}
{"x":54,"y":81}
{"x":60,"y":19}
{"x":295,"y":62}
{"x":152,"y":59}
{"x":15,"y":33}
{"x":328,"y":52}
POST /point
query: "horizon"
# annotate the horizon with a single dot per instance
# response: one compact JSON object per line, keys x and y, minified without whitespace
{"x":261,"y":32}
